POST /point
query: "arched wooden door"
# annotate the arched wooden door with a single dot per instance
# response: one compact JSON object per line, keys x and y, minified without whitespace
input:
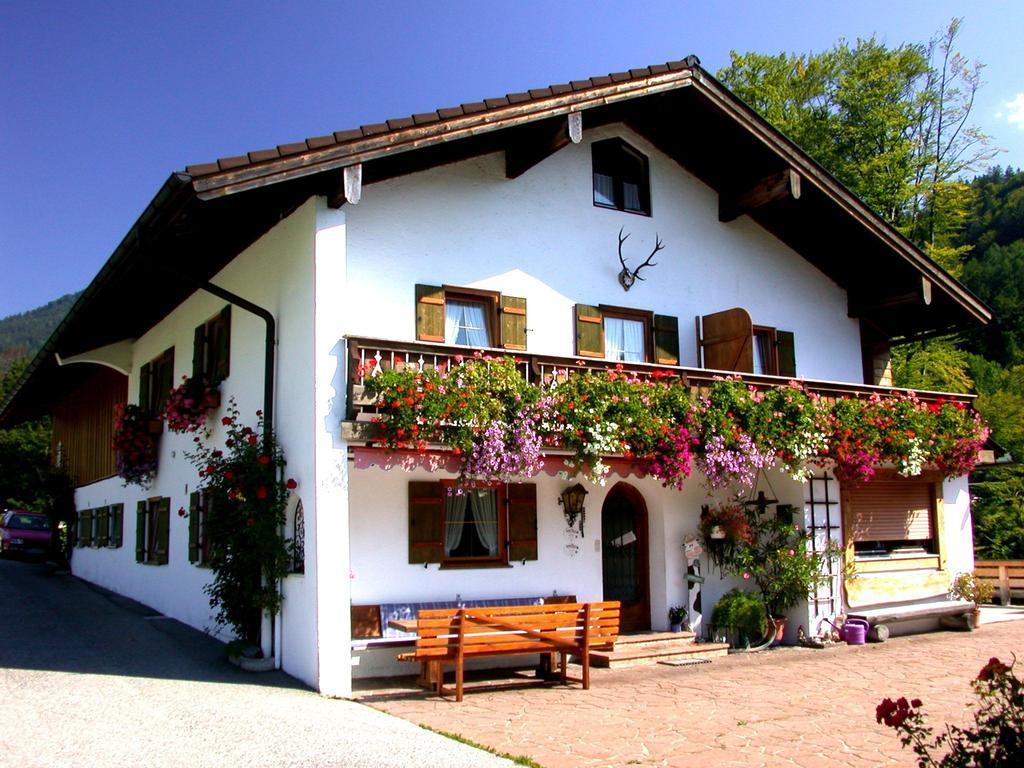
{"x":624,"y":556}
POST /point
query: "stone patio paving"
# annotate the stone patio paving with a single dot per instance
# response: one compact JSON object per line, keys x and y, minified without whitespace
{"x":788,"y":707}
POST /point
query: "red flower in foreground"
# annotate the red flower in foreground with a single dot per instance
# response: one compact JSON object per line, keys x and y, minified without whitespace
{"x":251,"y":521}
{"x":261,"y":492}
{"x":264,"y":460}
{"x":226,"y":421}
{"x":291,"y":485}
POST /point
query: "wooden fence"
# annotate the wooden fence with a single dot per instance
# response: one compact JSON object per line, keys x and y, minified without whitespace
{"x":1007,"y":576}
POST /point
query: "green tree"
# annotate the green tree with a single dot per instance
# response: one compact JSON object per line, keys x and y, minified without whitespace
{"x":24,"y":455}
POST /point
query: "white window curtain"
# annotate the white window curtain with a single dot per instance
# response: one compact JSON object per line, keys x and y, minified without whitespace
{"x":624,"y":339}
{"x":631,"y":196}
{"x":485,"y":517}
{"x":604,"y":189}
{"x":465,"y":323}
{"x":454,"y":522}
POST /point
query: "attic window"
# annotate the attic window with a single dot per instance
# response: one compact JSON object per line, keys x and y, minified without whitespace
{"x":621,"y":179}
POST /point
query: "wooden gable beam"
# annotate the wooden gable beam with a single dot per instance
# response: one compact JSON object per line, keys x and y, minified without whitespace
{"x":349,"y":187}
{"x":537,"y":143}
{"x":779,"y":186}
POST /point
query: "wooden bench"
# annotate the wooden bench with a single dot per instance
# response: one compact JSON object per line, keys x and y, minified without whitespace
{"x":450,"y":636}
{"x":1007,"y":576}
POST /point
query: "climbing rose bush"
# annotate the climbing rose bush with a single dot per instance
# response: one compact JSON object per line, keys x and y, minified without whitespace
{"x":995,"y":739}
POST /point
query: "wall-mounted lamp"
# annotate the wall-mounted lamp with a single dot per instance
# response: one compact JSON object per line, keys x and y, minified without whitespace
{"x":572,"y":504}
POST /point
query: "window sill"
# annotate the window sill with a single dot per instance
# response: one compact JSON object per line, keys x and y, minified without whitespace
{"x":471,"y":566}
{"x":896,"y":563}
{"x":623,"y":210}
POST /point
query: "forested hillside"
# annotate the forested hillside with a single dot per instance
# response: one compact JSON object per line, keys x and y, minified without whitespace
{"x":894,"y":125}
{"x":22,"y":335}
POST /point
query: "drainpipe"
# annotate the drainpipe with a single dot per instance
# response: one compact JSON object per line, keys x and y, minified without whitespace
{"x":268,"y":398}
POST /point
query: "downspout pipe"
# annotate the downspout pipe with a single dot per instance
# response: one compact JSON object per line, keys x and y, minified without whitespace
{"x":270,"y":342}
{"x":269,"y":355}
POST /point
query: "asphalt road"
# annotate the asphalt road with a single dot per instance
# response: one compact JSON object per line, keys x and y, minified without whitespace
{"x":88,"y":678}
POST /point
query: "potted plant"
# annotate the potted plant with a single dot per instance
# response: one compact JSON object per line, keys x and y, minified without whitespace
{"x":676,"y":618}
{"x":968,"y":586}
{"x":742,"y":617}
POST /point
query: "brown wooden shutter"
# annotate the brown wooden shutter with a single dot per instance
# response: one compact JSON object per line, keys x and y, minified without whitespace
{"x":117,"y":512}
{"x":429,"y":313}
{"x":145,"y":387}
{"x":141,"y":515}
{"x":513,"y":322}
{"x":728,"y":341}
{"x":102,"y":526}
{"x":162,"y":515}
{"x":426,"y":522}
{"x":522,"y":521}
{"x":193,"y":527}
{"x":892,"y":510}
{"x":785,"y":343}
{"x":199,"y":372}
{"x":666,"y":340}
{"x":589,"y":331}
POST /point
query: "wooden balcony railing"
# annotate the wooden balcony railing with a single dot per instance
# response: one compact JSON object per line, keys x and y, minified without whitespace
{"x":369,"y":355}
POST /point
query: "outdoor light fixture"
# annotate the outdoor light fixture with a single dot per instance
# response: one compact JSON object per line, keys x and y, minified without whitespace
{"x":572,"y":504}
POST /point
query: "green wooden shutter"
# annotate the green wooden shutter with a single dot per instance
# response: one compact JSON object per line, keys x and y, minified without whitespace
{"x":163,"y":529}
{"x":786,"y":345}
{"x":145,"y":387}
{"x":426,"y":522}
{"x":199,"y":372}
{"x":141,"y":513}
{"x":222,"y":346}
{"x":117,"y":513}
{"x":666,"y":340}
{"x":193,"y":527}
{"x":429,"y":313}
{"x":102,"y":526}
{"x":87,"y":537}
{"x":589,"y":331}
{"x":522,"y":521}
{"x":513,"y":322}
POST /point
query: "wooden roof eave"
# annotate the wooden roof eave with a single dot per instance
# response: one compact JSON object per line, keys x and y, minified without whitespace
{"x":419,"y":137}
{"x":709,"y":87}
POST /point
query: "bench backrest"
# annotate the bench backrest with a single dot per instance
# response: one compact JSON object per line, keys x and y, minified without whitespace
{"x":516,"y":628}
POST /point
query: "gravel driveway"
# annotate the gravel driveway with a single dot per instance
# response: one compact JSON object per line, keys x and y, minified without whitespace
{"x":91,"y":679}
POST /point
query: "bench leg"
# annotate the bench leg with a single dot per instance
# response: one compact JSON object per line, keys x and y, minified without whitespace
{"x":585,"y":657}
{"x":458,"y":680}
{"x":564,"y":657}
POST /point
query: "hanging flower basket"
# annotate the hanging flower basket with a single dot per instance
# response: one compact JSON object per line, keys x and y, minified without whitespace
{"x":188,"y":405}
{"x":135,"y":444}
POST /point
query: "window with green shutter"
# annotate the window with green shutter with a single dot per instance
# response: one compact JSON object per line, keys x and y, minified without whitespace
{"x":116,"y":525}
{"x":729,"y":341}
{"x":152,"y":531}
{"x":102,"y":526}
{"x":199,"y":529}
{"x":627,"y":335}
{"x":211,"y":350}
{"x":156,"y":379}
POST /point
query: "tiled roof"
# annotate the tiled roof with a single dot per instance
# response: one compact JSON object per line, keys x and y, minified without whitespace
{"x":424,"y":118}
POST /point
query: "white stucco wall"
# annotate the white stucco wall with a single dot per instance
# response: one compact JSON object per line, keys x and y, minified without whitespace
{"x":541,"y":237}
{"x":276,"y":272}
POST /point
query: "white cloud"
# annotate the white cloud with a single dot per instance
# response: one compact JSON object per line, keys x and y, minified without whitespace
{"x":1015,"y":108}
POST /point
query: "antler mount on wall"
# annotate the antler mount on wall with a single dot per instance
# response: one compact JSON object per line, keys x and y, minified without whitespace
{"x":627,"y":277}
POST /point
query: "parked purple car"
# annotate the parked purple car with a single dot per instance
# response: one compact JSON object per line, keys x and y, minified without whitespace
{"x":25,"y":533}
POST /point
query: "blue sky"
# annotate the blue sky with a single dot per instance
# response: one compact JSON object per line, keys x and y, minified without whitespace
{"x":101,"y":101}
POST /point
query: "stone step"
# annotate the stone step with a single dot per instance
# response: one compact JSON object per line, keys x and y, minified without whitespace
{"x":646,"y":638}
{"x":653,"y":653}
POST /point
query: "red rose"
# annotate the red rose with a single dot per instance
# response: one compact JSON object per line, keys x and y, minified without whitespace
{"x":251,"y":521}
{"x":229,"y":475}
{"x":264,"y":460}
{"x":252,"y":440}
{"x":291,"y":485}
{"x":226,"y":420}
{"x":261,"y":492}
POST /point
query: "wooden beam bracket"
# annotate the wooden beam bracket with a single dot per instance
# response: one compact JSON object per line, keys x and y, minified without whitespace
{"x":349,"y":187}
{"x":733,"y":203}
